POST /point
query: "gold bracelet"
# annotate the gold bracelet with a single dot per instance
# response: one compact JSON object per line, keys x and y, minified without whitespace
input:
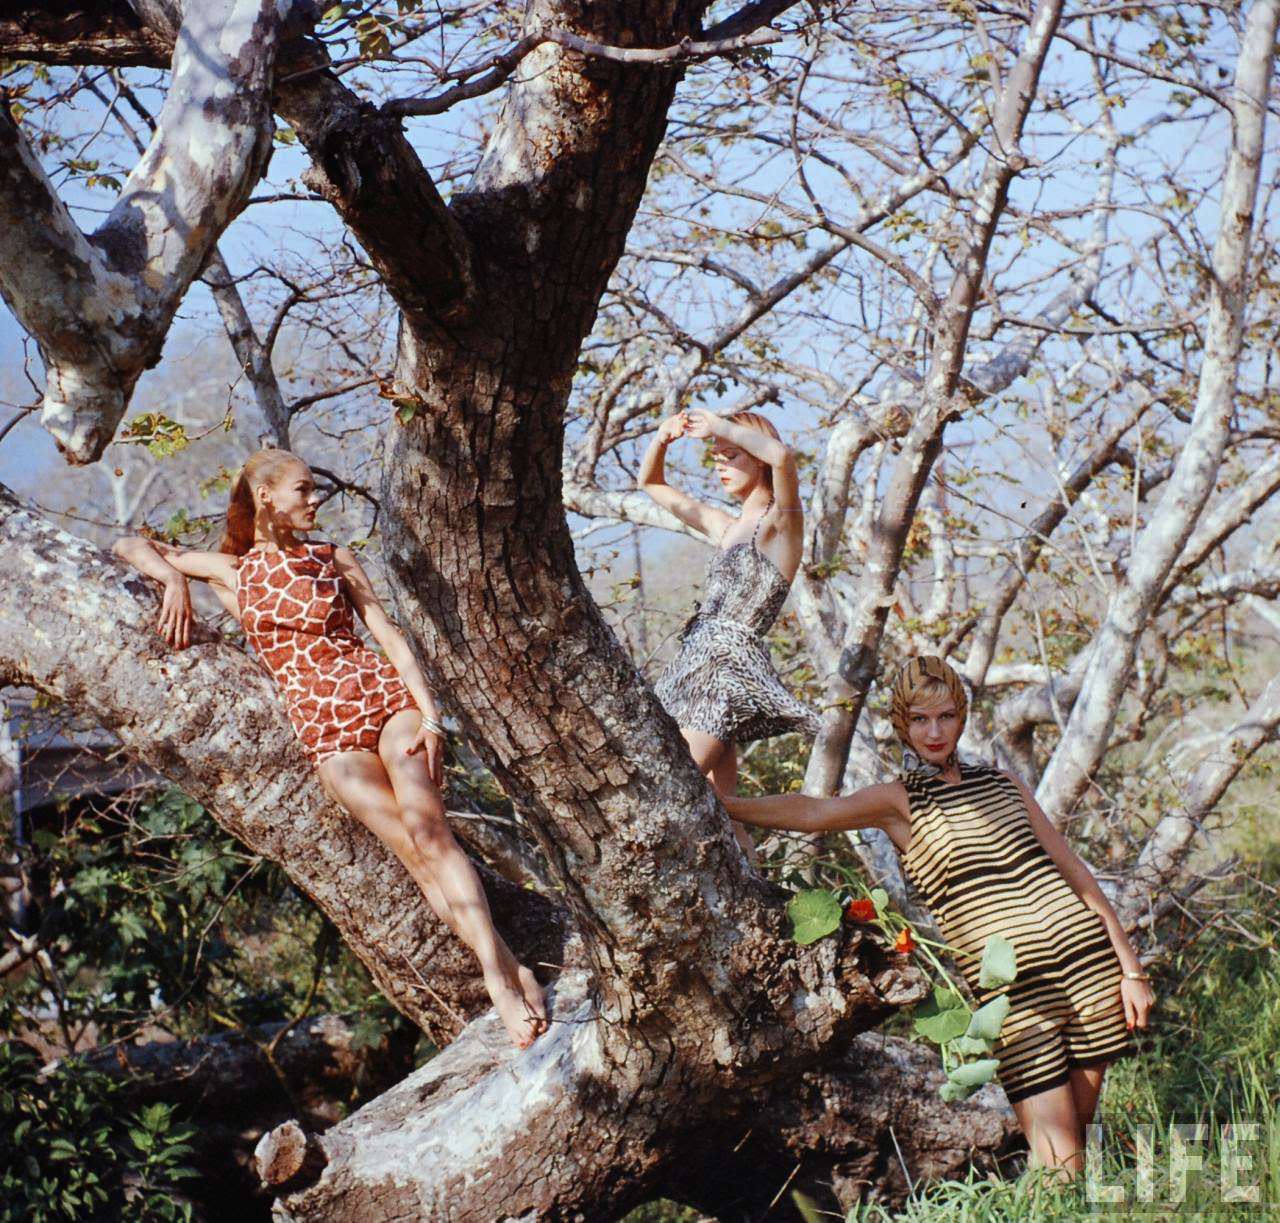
{"x":1136,"y":976}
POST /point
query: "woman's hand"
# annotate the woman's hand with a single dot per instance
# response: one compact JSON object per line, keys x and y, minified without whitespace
{"x":431,"y":743}
{"x":1138,"y":1000}
{"x":175,"y":617}
{"x":703,"y":424}
{"x":672,"y":428}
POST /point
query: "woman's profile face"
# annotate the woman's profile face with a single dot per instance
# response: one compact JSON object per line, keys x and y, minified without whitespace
{"x":934,"y":730}
{"x":736,"y":470}
{"x":292,"y":498}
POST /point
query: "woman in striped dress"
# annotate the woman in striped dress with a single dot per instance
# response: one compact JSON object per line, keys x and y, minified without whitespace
{"x":986,"y":860}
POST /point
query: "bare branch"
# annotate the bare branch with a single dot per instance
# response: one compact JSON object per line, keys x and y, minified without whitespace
{"x":100,"y":309}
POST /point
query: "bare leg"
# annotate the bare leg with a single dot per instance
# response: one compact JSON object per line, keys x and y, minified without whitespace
{"x":414,"y":828}
{"x":718,"y":763}
{"x":1086,"y":1086}
{"x":415,"y":792}
{"x":1054,"y":1133}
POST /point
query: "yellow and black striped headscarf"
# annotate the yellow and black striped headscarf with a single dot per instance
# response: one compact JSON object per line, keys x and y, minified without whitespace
{"x":914,"y":675}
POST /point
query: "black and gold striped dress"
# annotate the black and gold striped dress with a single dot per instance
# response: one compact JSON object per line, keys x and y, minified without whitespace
{"x":981,"y":870}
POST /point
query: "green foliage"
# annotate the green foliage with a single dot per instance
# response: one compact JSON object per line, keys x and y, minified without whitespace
{"x":813,"y":913}
{"x":999,"y":963}
{"x":158,"y":917}
{"x":68,"y":1151}
{"x":942,"y":1017}
{"x":160,"y":435}
{"x":989,"y":1019}
{"x":154,"y":920}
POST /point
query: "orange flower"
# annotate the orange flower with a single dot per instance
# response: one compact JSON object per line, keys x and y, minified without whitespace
{"x":860,"y":910}
{"x":905,"y":942}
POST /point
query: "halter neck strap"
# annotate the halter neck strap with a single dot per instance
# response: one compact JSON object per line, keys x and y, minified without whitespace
{"x":761,"y":519}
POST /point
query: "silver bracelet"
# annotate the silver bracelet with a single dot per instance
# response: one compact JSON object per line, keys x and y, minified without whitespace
{"x":433,"y":726}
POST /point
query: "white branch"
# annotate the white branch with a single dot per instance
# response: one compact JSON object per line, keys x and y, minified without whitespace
{"x":1088,"y":731}
{"x":100,"y":307}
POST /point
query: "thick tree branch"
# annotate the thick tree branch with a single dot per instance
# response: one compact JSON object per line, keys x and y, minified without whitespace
{"x":938,"y":401}
{"x":1168,"y":844}
{"x":100,"y":309}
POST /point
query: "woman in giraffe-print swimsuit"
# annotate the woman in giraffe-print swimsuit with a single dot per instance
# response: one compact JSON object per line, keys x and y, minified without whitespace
{"x":721,"y":687}
{"x":370,"y":725}
{"x":986,"y":860}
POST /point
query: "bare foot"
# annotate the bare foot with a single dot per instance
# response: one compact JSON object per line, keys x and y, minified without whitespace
{"x":533,"y":997}
{"x":509,"y":1001}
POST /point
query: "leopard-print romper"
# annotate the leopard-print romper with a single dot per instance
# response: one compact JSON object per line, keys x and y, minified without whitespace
{"x":721,"y":681}
{"x":301,"y":623}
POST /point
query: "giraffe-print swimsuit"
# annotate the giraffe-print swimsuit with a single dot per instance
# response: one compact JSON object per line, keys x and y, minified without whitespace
{"x":301,"y":623}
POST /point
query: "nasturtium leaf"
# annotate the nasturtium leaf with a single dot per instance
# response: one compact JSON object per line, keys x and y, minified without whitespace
{"x":968,"y":1046}
{"x":986,"y":1021}
{"x":973,"y":1074}
{"x":814,"y":913}
{"x":942,"y":1017}
{"x":951,"y":1092}
{"x":999,"y":963}
{"x":880,"y":898}
{"x":806,"y":1207}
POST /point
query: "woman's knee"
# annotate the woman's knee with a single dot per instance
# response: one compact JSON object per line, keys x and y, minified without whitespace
{"x":428,"y":829}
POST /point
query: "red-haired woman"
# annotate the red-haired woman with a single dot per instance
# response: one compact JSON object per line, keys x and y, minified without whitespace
{"x":721,"y":687}
{"x":370,"y":725}
{"x":986,"y":860}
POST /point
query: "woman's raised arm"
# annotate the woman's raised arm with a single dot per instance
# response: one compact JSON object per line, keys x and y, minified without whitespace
{"x":652,"y":479}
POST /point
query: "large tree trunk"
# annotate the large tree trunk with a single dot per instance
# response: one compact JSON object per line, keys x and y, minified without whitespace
{"x":691,"y":1000}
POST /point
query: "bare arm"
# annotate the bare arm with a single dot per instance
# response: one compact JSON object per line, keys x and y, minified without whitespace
{"x":171,"y":567}
{"x":1136,"y":995}
{"x":1078,"y":876}
{"x":652,"y":479}
{"x":370,"y":610}
{"x":883,"y":806}
{"x":777,"y":455}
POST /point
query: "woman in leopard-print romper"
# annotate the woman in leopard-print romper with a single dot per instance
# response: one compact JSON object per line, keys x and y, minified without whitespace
{"x":370,"y":725}
{"x":721,"y":687}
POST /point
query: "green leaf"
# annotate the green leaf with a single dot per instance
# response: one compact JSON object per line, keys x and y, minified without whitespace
{"x":987,"y":1020}
{"x":952,"y":1092}
{"x":880,"y":898}
{"x":973,"y":1075}
{"x":999,"y":963}
{"x":806,"y":1207}
{"x":942,"y":1017}
{"x":814,"y":913}
{"x":968,"y":1046}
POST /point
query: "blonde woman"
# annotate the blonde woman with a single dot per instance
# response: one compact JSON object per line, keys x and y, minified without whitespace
{"x":368,"y":724}
{"x":986,"y":860}
{"x":721,"y":687}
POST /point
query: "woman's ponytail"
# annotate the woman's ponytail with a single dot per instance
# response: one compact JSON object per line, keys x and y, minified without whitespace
{"x":238,"y":537}
{"x":260,"y":469}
